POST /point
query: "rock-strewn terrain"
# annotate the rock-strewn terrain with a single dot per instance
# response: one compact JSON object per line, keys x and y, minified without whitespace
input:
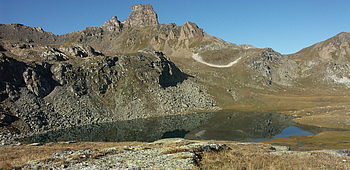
{"x":178,"y":153}
{"x":183,"y":154}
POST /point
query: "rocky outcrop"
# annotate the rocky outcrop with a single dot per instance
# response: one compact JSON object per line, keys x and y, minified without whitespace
{"x":11,"y":77}
{"x":190,"y":30}
{"x":36,"y":81}
{"x":141,"y":16}
{"x":173,"y":34}
{"x":337,"y":74}
{"x":112,"y":25}
{"x":79,"y":50}
{"x":271,"y":67}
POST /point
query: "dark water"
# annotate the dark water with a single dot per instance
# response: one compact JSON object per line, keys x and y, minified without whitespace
{"x":224,"y":125}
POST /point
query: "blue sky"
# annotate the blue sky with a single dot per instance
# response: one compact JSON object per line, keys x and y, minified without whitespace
{"x":284,"y":25}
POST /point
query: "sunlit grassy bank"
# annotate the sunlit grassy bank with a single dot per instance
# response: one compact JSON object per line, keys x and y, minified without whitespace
{"x":238,"y":156}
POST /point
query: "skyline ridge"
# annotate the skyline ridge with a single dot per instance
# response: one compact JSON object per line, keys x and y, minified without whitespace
{"x":285,"y":26}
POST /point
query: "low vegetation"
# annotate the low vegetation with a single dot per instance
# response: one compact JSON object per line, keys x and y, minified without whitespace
{"x":17,"y":155}
{"x":258,"y":156}
{"x":323,"y":140}
{"x":238,"y":156}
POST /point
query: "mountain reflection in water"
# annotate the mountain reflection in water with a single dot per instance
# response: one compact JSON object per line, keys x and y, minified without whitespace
{"x":223,"y":125}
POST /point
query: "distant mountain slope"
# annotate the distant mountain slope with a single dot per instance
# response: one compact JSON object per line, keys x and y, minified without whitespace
{"x":336,"y":48}
{"x":327,"y":62}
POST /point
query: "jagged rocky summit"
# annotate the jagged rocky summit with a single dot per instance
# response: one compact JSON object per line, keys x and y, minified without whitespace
{"x":115,"y":36}
{"x":141,"y":16}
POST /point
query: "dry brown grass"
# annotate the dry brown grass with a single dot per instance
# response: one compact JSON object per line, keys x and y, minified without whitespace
{"x":257,"y":156}
{"x":222,"y":56}
{"x":329,"y":121}
{"x":17,"y":155}
{"x":241,"y":156}
{"x":323,"y":140}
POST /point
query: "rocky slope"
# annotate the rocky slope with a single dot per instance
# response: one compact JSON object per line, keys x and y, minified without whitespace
{"x":54,"y":87}
{"x":327,"y":62}
{"x":138,"y":68}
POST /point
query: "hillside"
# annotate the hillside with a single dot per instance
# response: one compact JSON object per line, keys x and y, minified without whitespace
{"x":139,"y":68}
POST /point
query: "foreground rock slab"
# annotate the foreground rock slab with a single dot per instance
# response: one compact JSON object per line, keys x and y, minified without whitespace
{"x":175,"y":153}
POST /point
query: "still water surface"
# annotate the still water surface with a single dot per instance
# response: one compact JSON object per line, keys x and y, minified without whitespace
{"x":223,"y":125}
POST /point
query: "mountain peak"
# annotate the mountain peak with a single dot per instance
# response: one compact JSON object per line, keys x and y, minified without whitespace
{"x":141,"y":16}
{"x":190,"y":30}
{"x":343,"y":36}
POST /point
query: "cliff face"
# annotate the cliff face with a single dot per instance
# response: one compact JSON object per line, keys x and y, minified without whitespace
{"x":141,"y":16}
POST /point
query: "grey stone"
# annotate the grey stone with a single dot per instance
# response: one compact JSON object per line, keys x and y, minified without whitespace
{"x":280,"y":148}
{"x":336,"y":152}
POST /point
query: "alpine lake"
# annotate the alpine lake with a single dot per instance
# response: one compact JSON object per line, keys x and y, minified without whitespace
{"x":225,"y":125}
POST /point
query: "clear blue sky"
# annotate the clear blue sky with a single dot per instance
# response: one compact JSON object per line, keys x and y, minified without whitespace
{"x":284,"y":25}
